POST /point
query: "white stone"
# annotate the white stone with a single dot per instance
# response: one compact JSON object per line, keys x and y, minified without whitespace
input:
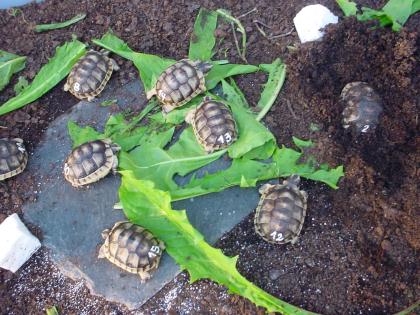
{"x":310,"y":20}
{"x":17,"y":244}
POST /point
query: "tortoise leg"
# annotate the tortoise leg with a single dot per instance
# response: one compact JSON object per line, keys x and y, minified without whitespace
{"x":114,"y":165}
{"x":115,"y":66}
{"x":150,"y":93}
{"x":144,"y":276}
{"x":66,"y":87}
{"x":101,"y":253}
{"x":90,"y":98}
{"x":264,"y":188}
{"x":189,"y":118}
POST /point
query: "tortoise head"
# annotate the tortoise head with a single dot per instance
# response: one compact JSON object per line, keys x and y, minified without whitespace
{"x":293,"y":180}
{"x":204,"y":66}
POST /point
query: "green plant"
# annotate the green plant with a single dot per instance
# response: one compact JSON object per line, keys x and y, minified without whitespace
{"x":394,"y":13}
{"x":9,"y":65}
{"x":54,"y":26}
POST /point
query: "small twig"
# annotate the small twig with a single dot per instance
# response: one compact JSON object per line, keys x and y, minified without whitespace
{"x":289,"y":106}
{"x":237,"y":43}
{"x":281,"y":35}
{"x":245,"y":14}
{"x":260,"y":30}
{"x":3,"y":127}
{"x":262,"y":23}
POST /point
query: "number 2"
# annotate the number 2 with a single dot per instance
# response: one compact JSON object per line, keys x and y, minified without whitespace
{"x":365,"y":128}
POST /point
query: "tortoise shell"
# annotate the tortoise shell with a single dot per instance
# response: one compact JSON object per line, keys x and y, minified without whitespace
{"x":90,"y":162}
{"x":180,"y":83}
{"x":362,"y":107}
{"x":90,"y":74}
{"x":213,"y":125}
{"x":281,"y":212}
{"x":13,"y":157}
{"x":132,"y":248}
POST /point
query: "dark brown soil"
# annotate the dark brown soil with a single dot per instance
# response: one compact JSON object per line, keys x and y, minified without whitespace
{"x":358,"y":252}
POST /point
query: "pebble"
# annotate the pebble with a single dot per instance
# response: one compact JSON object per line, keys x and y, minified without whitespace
{"x":274,"y":274}
{"x":310,"y":262}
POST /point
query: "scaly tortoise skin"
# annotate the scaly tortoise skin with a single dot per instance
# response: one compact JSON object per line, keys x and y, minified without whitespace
{"x":281,"y":212}
{"x":13,"y":157}
{"x":362,"y":107}
{"x":180,"y":83}
{"x":90,"y":74}
{"x":213,"y":125}
{"x":132,"y":248}
{"x":91,"y":161}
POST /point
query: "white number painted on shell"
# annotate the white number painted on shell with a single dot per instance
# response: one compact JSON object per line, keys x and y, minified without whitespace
{"x":225,"y":138}
{"x":20,"y":148}
{"x":277,"y":237}
{"x":162,"y":94}
{"x":154,"y":251}
{"x":66,"y":169}
{"x":76,"y":86}
{"x":365,"y":128}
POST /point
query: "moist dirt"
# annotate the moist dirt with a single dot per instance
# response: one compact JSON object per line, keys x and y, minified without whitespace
{"x":358,"y":252}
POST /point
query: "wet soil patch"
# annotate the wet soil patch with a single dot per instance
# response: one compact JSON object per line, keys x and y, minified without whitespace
{"x":358,"y":252}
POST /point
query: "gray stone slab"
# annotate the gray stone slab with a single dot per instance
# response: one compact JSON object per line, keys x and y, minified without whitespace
{"x":72,"y":219}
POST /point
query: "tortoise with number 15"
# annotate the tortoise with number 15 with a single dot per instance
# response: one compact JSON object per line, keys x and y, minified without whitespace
{"x":281,"y":212}
{"x":180,"y":83}
{"x":90,"y":74}
{"x":213,"y":125}
{"x":132,"y":248}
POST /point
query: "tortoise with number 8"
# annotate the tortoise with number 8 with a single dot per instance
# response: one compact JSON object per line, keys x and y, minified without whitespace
{"x":90,"y":74}
{"x":132,"y":248}
{"x":281,"y":212}
{"x":213,"y":125}
{"x":180,"y":83}
{"x":13,"y":157}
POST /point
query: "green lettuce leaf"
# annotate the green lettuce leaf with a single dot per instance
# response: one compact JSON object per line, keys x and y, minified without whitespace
{"x":48,"y":77}
{"x":54,"y":26}
{"x":9,"y":65}
{"x":222,"y":71}
{"x":349,"y":8}
{"x":203,"y":39}
{"x":149,"y":207}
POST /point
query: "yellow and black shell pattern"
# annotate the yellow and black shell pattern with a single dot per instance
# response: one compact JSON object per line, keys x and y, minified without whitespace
{"x":180,"y":83}
{"x":91,"y":161}
{"x":213,"y":125}
{"x":281,"y":212}
{"x":132,"y":248}
{"x":90,"y":74}
{"x":13,"y":157}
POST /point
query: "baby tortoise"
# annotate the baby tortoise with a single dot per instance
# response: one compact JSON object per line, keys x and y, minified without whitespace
{"x":180,"y":83}
{"x":91,"y":161}
{"x":13,"y":157}
{"x":213,"y":125}
{"x":362,"y":107}
{"x":132,"y":248}
{"x":281,"y":211}
{"x":90,"y":74}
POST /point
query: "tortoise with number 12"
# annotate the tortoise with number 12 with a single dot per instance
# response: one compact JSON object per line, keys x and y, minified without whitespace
{"x":281,"y":212}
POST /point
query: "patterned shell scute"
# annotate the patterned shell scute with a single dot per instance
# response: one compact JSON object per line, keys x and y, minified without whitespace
{"x":180,"y":83}
{"x":362,"y":107}
{"x":87,"y":160}
{"x":13,"y":157}
{"x":133,"y":248}
{"x":280,"y":214}
{"x":214,"y":125}
{"x":90,"y":74}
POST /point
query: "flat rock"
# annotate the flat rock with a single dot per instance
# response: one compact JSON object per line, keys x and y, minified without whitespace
{"x":72,"y":219}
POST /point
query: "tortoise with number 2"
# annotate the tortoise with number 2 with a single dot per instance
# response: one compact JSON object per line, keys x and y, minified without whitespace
{"x":180,"y":83}
{"x":362,"y":107}
{"x":91,"y":161}
{"x":13,"y":157}
{"x":90,"y":74}
{"x":213,"y":125}
{"x":132,"y":248}
{"x":281,"y":212}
